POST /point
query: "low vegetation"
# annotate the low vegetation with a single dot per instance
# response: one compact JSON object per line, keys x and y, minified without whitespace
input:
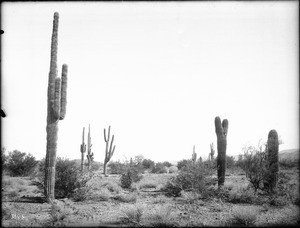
{"x":190,"y":196}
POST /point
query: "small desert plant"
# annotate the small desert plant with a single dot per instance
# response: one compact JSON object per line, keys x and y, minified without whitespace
{"x":244,"y":216}
{"x":132,"y":214}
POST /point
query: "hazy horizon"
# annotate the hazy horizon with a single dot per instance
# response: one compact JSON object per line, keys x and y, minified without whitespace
{"x":158,"y":73}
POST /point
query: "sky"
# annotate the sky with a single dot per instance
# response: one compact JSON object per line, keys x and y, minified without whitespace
{"x":158,"y":73}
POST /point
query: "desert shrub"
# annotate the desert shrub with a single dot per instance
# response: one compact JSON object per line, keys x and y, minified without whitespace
{"x":244,"y":216}
{"x":173,"y":169}
{"x":66,"y":177}
{"x":102,"y":194}
{"x":194,"y":177}
{"x":131,"y":175}
{"x":243,"y":195}
{"x":167,"y":164}
{"x":132,"y":214}
{"x":20,"y":164}
{"x":83,"y":190}
{"x":254,"y":163}
{"x":3,"y":158}
{"x":171,"y":188}
{"x":159,"y":168}
{"x":117,"y":167}
{"x":161,"y":217}
{"x":183,"y":163}
{"x":148,"y":163}
{"x":69,"y":181}
{"x":126,"y":198}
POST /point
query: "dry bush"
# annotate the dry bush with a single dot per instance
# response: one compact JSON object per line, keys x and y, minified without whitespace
{"x":126,"y":198}
{"x":244,"y":216}
{"x":161,"y":217}
{"x":132,"y":214}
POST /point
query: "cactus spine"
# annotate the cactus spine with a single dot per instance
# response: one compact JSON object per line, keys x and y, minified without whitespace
{"x":194,"y":155}
{"x":109,"y":149}
{"x":272,"y":155}
{"x":221,"y":132}
{"x":56,"y":110}
{"x":82,"y":150}
{"x":90,"y":154}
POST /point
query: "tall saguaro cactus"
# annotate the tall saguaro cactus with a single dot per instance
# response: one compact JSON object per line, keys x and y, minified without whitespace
{"x":90,"y":154}
{"x":221,"y":132}
{"x":56,"y":110}
{"x":194,"y":155}
{"x":109,"y":149}
{"x":272,"y":154}
{"x":82,"y":150}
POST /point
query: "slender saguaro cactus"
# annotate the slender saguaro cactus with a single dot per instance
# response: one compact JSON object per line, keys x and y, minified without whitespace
{"x":194,"y":155}
{"x":109,"y":149}
{"x":272,"y":154}
{"x":56,"y":110}
{"x":82,"y":150}
{"x":212,"y":152}
{"x":90,"y":155}
{"x":221,"y":132}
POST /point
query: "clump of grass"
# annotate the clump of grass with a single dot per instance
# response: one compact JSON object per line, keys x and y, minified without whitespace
{"x":132,"y":214}
{"x":162,"y":217}
{"x":244,"y":216}
{"x":126,"y":198}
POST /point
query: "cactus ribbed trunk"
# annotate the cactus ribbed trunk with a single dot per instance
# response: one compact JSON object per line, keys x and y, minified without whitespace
{"x":221,"y":132}
{"x":194,"y":155}
{"x":90,"y":155}
{"x":82,"y":150}
{"x":273,"y":148}
{"x":56,"y":110}
{"x":109,"y":149}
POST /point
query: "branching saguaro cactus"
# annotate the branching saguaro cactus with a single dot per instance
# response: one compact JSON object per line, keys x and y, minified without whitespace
{"x":56,"y":110}
{"x":194,"y":155}
{"x":90,"y":154}
{"x":109,"y":149}
{"x":221,"y":132}
{"x":82,"y":150}
{"x":272,"y":155}
{"x":212,"y":152}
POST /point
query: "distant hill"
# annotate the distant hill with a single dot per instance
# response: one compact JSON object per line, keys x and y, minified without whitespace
{"x":290,"y":154}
